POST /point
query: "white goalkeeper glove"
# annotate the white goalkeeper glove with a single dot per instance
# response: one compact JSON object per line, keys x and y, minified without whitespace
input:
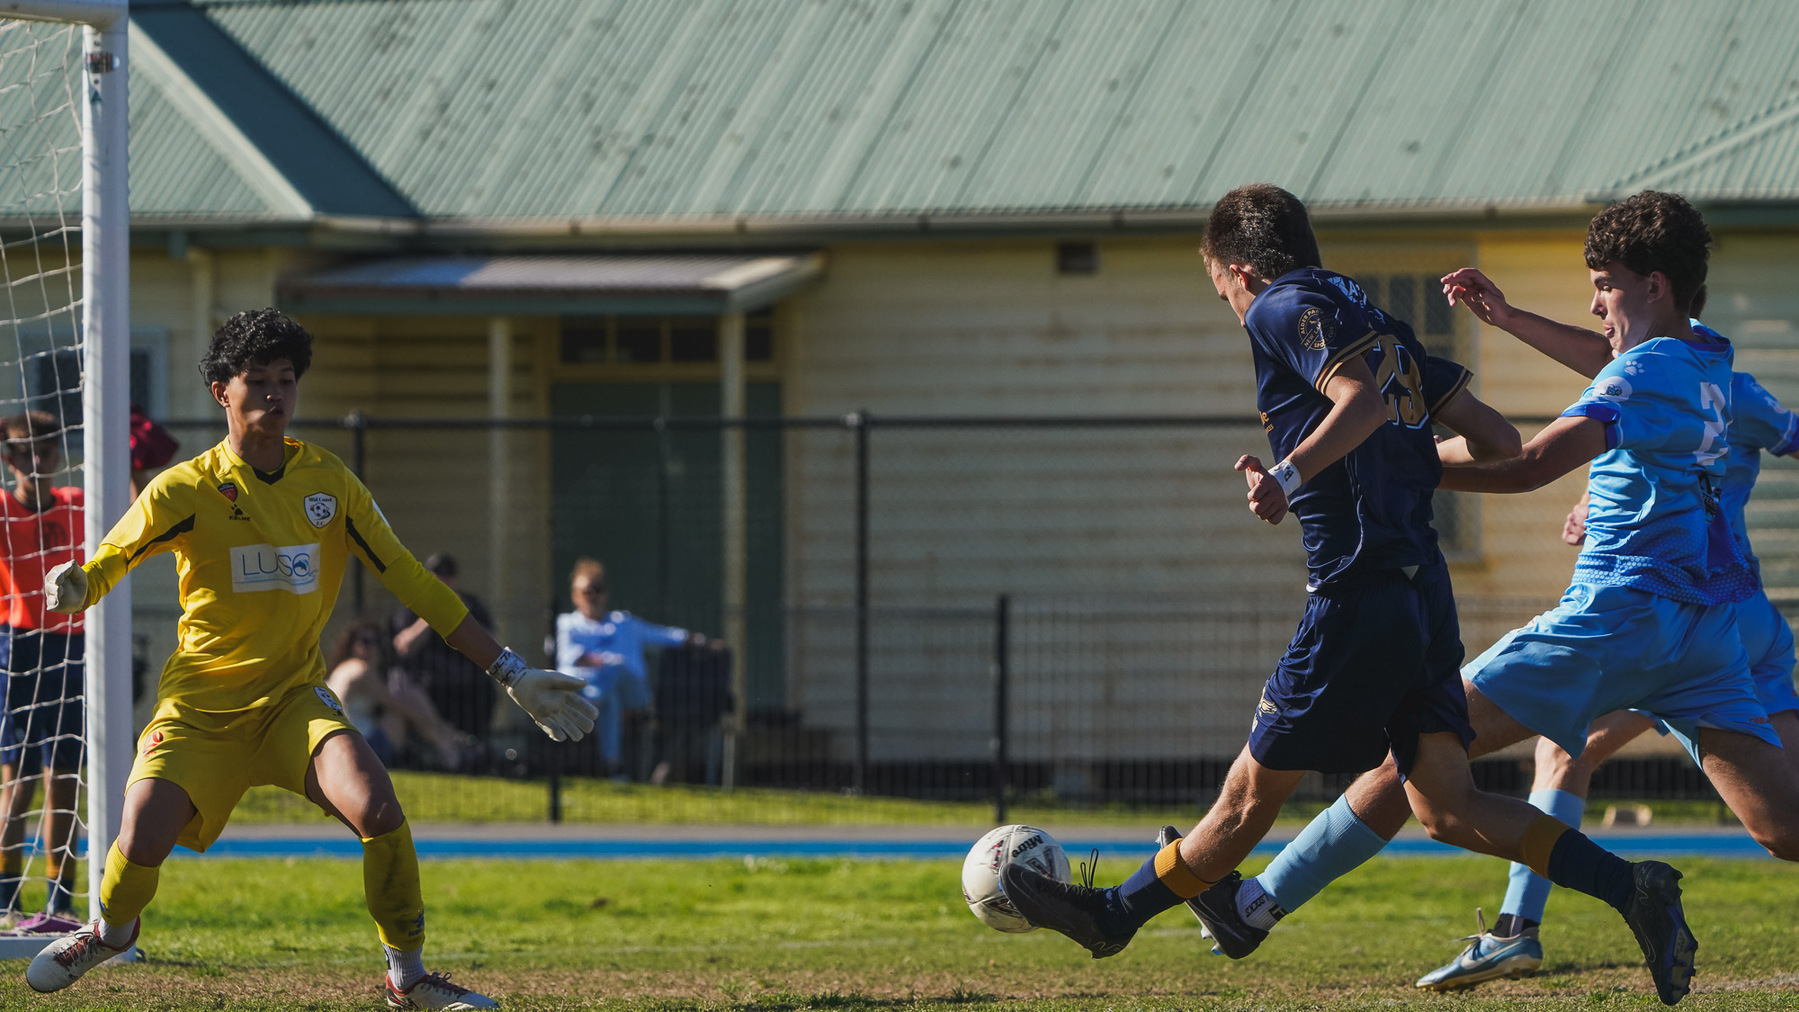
{"x":65,"y":588}
{"x":552,"y":699}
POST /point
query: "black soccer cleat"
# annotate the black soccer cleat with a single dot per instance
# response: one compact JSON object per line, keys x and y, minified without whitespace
{"x":1168,"y":835}
{"x":1216,"y":908}
{"x":1656,"y":918}
{"x":1075,"y":910}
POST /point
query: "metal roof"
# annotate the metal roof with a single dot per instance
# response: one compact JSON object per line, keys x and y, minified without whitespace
{"x":625,"y":284}
{"x":672,"y":111}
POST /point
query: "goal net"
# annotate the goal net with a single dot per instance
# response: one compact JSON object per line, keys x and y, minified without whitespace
{"x":64,"y":728}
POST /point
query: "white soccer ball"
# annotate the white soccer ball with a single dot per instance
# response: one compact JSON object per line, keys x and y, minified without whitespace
{"x":980,"y":872}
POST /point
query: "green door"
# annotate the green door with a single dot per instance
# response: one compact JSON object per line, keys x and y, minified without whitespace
{"x":650,"y":506}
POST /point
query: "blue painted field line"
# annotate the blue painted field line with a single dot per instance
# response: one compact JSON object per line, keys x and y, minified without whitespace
{"x":1633,"y":845}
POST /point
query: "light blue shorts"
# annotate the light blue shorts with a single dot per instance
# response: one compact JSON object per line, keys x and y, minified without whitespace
{"x":1768,"y":640}
{"x":1768,"y":643}
{"x":1614,"y":648}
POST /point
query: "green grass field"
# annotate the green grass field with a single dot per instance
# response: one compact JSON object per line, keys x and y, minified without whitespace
{"x":810,"y":934}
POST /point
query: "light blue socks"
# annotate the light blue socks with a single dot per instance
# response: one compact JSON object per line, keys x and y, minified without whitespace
{"x":1331,"y":846}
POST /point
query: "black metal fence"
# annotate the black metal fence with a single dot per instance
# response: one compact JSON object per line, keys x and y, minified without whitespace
{"x":1053,"y":610}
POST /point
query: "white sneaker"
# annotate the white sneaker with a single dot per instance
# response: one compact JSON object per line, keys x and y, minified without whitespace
{"x":434,"y":991}
{"x":63,"y":961}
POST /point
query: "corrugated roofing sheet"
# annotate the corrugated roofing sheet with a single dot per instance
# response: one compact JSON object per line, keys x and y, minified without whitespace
{"x":661,"y":109}
{"x":176,"y":168}
{"x":177,"y":171}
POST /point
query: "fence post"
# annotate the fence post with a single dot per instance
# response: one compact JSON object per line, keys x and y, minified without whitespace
{"x":1002,"y":678}
{"x":663,"y":522}
{"x":860,"y":420}
{"x":555,"y":764}
{"x":357,"y":423}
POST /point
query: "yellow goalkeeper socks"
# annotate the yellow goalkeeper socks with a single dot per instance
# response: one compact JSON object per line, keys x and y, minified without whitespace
{"x":61,"y":898}
{"x":12,"y":876}
{"x":390,"y":878}
{"x":125,"y":890}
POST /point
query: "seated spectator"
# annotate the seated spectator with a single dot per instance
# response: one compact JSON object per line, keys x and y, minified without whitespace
{"x":459,"y":690}
{"x":605,"y":649}
{"x":382,"y":703}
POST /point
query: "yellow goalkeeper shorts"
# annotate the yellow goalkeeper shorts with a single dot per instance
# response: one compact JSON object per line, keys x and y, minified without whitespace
{"x":216,"y":757}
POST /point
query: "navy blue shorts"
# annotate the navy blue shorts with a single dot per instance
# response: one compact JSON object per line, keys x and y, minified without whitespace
{"x":1373,"y":666}
{"x":43,"y":698}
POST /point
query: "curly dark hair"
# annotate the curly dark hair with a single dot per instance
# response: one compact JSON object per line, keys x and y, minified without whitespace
{"x":1263,"y":226}
{"x":255,"y":336}
{"x":1653,"y":231}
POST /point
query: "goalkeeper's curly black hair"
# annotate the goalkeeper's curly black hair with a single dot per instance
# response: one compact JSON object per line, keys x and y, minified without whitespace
{"x":1654,"y":231}
{"x":1263,"y":226}
{"x":255,"y":337}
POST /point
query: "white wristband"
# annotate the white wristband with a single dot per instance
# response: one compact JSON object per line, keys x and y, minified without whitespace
{"x":1288,"y":476}
{"x":507,"y":667}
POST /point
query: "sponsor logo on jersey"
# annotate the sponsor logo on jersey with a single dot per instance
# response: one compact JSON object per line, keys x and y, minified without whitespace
{"x":320,"y":508}
{"x":294,"y":568}
{"x":229,"y":491}
{"x":1314,"y":330}
{"x":1615,"y":388}
{"x":328,"y":699}
{"x":151,"y":740}
{"x":1349,"y":288}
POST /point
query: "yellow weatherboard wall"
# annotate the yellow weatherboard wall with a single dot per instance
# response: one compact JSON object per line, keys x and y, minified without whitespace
{"x":1543,"y":273}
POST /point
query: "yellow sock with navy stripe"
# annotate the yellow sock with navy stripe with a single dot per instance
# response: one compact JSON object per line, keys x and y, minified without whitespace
{"x":61,"y":870}
{"x":1163,"y":883}
{"x":1566,"y":856}
{"x":390,"y":880}
{"x":125,"y":889}
{"x":12,"y":877}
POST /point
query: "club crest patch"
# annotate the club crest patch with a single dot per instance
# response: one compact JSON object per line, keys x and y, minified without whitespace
{"x":320,"y":508}
{"x":229,"y":491}
{"x":1314,"y":330}
{"x":153,"y":739}
{"x":328,"y":699}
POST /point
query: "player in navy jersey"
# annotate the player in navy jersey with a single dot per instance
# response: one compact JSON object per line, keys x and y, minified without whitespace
{"x":1650,"y":618}
{"x":1347,"y":395}
{"x":1758,"y":423}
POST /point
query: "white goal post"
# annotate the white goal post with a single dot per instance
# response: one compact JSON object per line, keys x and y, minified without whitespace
{"x":106,"y":394}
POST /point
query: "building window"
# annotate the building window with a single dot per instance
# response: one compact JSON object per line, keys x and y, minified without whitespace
{"x":52,"y":379}
{"x":759,"y":338}
{"x":1077,"y":258}
{"x":639,"y":339}
{"x":659,"y":340}
{"x":584,"y":339}
{"x":693,"y":339}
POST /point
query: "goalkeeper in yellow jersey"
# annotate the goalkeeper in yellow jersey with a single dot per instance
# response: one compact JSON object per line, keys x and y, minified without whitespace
{"x":262,"y":527}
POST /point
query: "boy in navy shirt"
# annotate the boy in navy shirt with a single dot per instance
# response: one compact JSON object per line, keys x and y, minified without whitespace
{"x":1348,"y":396}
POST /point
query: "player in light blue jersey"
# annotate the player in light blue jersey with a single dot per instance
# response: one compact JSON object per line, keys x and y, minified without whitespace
{"x":1759,"y":422}
{"x":1648,"y":621}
